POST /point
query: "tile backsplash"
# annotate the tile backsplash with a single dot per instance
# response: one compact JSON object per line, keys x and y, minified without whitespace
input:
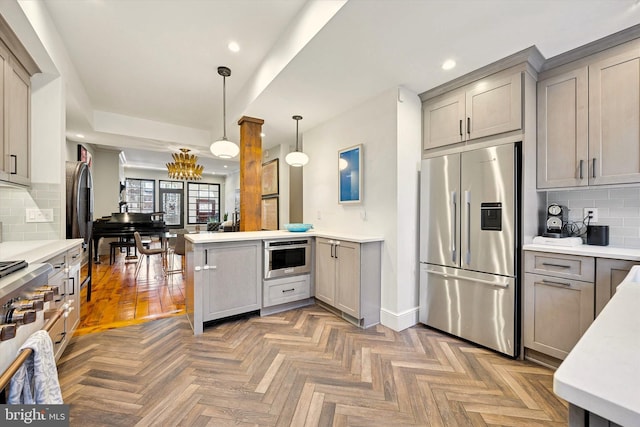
{"x":13,"y":205}
{"x":619,"y":208}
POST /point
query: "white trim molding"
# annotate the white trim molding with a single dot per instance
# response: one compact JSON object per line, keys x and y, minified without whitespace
{"x":399,"y":321}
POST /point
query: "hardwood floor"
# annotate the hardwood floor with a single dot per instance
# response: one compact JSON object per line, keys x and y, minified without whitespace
{"x":119,"y":299}
{"x":304,"y":367}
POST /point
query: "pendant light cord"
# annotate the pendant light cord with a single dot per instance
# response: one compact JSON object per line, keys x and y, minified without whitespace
{"x":224,"y":107}
{"x":297,"y":121}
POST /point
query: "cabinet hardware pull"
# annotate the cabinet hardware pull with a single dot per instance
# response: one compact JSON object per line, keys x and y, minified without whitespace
{"x":288,"y":290}
{"x":336,"y":251}
{"x":332,"y":247}
{"x":467,"y":198}
{"x":454,"y":198}
{"x":551,"y":282}
{"x":58,"y":266}
{"x":581,"y":162}
{"x":469,"y":125}
{"x":62,"y":335}
{"x":593,"y":168}
{"x":460,"y":127}
{"x":15,"y":164}
{"x":549,"y":264}
{"x":73,"y":285}
{"x":470,"y":279}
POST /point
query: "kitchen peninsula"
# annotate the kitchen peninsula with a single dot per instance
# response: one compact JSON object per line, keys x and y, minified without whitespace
{"x":227,"y":274}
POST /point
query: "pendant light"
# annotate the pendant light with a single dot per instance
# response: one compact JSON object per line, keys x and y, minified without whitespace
{"x":224,"y":148}
{"x":297,"y":158}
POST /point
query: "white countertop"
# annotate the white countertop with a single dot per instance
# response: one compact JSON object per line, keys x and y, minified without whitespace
{"x":588,"y":250}
{"x":34,"y":251}
{"x":602,"y":372}
{"x":215,"y":237}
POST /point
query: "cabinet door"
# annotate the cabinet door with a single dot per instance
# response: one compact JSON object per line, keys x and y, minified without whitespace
{"x":443,"y":120}
{"x":556,"y":313}
{"x":614,"y":119}
{"x":4,"y":149}
{"x":563,"y":130}
{"x":234,"y":283}
{"x":609,"y":274}
{"x":347,"y":256}
{"x":17,"y":92}
{"x":325,"y":270}
{"x":493,"y":106}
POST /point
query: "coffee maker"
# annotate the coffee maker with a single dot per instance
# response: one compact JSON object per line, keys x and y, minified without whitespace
{"x":557,"y":216}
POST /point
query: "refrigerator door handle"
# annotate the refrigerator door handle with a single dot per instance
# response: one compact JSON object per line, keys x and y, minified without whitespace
{"x":470,"y":279}
{"x":467,"y":199}
{"x":454,"y":203}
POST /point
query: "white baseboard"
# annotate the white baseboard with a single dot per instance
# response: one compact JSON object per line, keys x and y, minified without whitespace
{"x":399,"y":321}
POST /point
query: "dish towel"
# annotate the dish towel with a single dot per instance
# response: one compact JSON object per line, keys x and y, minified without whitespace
{"x":38,"y":371}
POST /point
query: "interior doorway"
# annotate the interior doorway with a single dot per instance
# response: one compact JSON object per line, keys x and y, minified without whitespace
{"x":172,"y":203}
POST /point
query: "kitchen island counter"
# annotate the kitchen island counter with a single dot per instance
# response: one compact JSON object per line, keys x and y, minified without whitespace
{"x":216,"y":237}
{"x":601,"y":375}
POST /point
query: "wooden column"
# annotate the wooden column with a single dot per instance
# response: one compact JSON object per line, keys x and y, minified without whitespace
{"x":250,"y":173}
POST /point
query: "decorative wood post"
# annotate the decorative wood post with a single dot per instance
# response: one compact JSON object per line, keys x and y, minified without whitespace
{"x":250,"y":173}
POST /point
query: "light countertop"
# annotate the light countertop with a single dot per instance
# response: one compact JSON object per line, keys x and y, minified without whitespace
{"x":588,"y":250}
{"x":35,"y":251}
{"x":214,"y":237}
{"x":602,"y":372}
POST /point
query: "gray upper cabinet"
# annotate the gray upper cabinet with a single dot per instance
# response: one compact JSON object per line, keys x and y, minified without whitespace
{"x":17,"y":133}
{"x":614,"y":118}
{"x":490,"y":106}
{"x":589,"y":120}
{"x":443,"y":120}
{"x":563,"y":126}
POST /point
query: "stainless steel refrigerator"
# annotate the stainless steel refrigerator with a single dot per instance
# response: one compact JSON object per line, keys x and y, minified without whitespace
{"x":469,"y":245}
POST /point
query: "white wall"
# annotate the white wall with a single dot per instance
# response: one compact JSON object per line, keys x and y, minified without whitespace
{"x":106,"y":187}
{"x":389,"y":131}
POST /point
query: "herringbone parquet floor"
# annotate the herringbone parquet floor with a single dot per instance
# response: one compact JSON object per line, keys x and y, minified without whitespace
{"x":305,"y":367}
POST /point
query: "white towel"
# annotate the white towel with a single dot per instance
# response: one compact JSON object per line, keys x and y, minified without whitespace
{"x":38,"y":371}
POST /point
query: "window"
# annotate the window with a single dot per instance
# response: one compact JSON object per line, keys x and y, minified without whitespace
{"x":140,"y":195}
{"x":204,"y":203}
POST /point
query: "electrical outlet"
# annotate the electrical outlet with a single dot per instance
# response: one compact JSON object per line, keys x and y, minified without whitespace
{"x":592,"y":213}
{"x":39,"y":215}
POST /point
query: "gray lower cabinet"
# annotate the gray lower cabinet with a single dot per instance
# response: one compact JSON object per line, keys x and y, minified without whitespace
{"x":348,"y":278}
{"x":563,"y":294}
{"x":609,"y":274}
{"x":286,"y":290}
{"x":65,"y":277}
{"x":223,"y":279}
{"x":558,"y":301}
{"x":557,"y":312}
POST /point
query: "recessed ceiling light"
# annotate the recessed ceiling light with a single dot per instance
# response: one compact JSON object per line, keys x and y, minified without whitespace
{"x":448,"y":64}
{"x":262,"y":135}
{"x":225,"y":166}
{"x":233,"y":47}
{"x":79,"y":135}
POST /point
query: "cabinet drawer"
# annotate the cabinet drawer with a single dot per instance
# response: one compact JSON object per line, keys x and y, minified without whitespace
{"x":74,"y":255}
{"x":57,"y":333}
{"x":560,"y":265}
{"x":58,"y":263}
{"x":290,"y":289}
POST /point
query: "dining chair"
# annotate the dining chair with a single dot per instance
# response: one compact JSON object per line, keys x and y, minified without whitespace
{"x":179,"y":249}
{"x":145,"y":252}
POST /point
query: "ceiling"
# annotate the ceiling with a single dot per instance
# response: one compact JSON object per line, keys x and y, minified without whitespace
{"x":146,"y":69}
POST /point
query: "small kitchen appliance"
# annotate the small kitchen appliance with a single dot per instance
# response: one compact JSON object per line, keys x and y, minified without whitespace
{"x":598,"y":235}
{"x":557,"y":216}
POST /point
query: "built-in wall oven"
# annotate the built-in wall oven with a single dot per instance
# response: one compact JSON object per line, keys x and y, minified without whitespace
{"x":286,"y":257}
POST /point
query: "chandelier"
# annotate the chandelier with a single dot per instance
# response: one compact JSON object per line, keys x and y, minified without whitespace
{"x":184,"y":166}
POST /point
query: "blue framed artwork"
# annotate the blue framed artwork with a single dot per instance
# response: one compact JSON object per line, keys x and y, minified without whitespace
{"x":350,"y":174}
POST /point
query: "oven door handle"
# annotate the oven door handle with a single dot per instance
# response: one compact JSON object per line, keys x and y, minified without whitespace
{"x":276,"y":248}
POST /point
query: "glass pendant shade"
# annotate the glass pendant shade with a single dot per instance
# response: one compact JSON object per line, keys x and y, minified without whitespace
{"x":297,"y":158}
{"x":224,"y":149}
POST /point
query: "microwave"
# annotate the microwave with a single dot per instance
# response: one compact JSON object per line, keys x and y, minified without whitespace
{"x":286,"y":257}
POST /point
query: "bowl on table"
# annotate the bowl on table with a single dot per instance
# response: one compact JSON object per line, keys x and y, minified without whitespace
{"x":298,"y":227}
